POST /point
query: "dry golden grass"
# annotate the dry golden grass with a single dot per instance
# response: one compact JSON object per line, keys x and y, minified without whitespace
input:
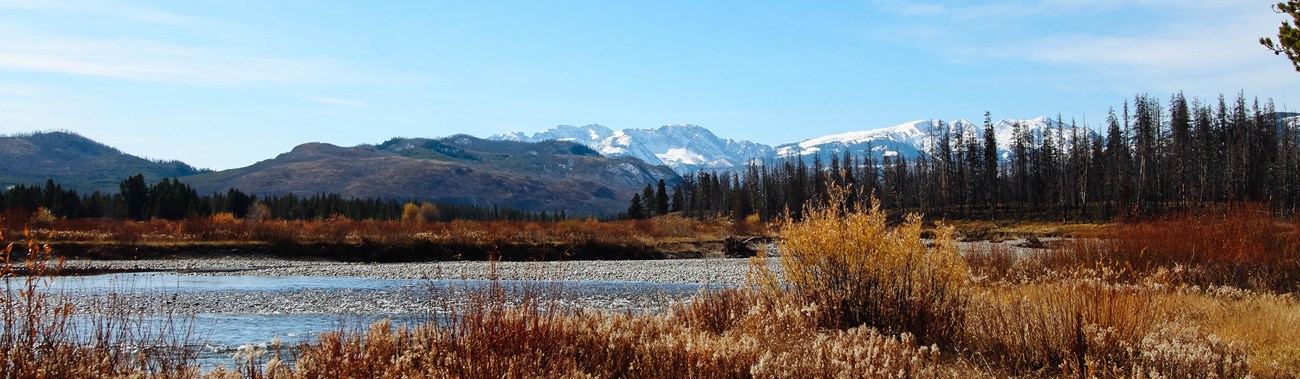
{"x":1265,"y":323}
{"x":859,"y":271}
{"x":1004,"y":230}
{"x":488,"y":339}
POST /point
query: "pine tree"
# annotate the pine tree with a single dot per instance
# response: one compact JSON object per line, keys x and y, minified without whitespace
{"x":238,"y":203}
{"x":1288,"y":34}
{"x":648,"y":198}
{"x":636,"y":210}
{"x":678,"y":199}
{"x":990,"y":161}
{"x":661,"y":199}
{"x":1180,"y":125}
{"x":136,"y":195}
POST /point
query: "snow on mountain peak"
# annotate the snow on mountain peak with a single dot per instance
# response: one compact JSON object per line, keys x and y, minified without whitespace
{"x":689,"y":147}
{"x":683,"y":147}
{"x":580,"y":134}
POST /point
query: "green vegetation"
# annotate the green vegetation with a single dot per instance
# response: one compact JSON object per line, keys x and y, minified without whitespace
{"x":1288,"y":35}
{"x":76,"y":162}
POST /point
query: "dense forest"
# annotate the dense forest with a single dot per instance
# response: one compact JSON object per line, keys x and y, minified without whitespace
{"x":173,"y":200}
{"x":1149,"y":158}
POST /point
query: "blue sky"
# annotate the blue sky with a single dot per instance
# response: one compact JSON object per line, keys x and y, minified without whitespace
{"x":223,"y":84}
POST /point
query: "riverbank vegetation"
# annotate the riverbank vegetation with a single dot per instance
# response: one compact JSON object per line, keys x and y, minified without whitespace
{"x":855,"y":296}
{"x":340,"y":238}
{"x":860,"y":298}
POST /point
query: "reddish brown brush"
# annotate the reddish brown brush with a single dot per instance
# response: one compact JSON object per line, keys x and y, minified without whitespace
{"x":1244,"y":247}
{"x":40,"y":337}
{"x":223,"y":228}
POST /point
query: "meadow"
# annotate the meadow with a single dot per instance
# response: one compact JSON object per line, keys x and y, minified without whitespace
{"x":861,"y":295}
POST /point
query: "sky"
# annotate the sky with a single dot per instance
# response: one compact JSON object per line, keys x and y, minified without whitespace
{"x":223,"y":84}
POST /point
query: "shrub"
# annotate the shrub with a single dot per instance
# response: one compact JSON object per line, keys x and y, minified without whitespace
{"x":1244,"y":248}
{"x":858,"y":271}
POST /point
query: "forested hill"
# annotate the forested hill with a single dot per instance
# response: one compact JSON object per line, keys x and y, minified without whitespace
{"x":76,"y":162}
{"x":1151,"y":157}
{"x":546,"y":176}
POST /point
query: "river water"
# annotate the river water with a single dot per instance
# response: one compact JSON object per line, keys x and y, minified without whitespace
{"x":220,"y":314}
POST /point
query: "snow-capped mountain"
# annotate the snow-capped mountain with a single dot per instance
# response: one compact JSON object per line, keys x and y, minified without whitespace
{"x":913,"y":138}
{"x":682,"y":147}
{"x":589,"y":135}
{"x":686,"y":148}
{"x":907,"y":139}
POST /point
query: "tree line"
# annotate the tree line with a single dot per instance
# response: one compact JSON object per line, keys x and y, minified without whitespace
{"x":170,"y":199}
{"x":1148,"y":158}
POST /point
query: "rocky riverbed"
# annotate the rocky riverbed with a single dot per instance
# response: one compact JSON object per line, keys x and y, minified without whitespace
{"x":273,"y":286}
{"x":265,"y":285}
{"x":713,"y":271}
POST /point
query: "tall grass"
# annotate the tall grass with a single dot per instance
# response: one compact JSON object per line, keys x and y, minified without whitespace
{"x":45,"y":336}
{"x":1244,"y":247}
{"x":489,"y":341}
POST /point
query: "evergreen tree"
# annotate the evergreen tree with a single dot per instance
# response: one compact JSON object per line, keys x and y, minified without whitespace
{"x":1288,"y":34}
{"x":661,"y":199}
{"x":238,"y":203}
{"x":636,"y":210}
{"x":647,"y":197}
{"x":136,"y":195}
{"x":678,"y":199}
{"x":990,"y":161}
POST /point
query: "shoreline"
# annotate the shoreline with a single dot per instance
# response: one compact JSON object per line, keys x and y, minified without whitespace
{"x":423,"y":251}
{"x":700,"y":271}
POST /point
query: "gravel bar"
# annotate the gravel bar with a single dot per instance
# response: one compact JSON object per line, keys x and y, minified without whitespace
{"x":428,"y":286}
{"x":706,"y":271}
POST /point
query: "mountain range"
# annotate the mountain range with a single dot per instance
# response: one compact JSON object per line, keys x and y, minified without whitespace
{"x":461,"y":169}
{"x":682,"y":147}
{"x":687,"y":148}
{"x":578,"y":169}
{"x":544,"y":176}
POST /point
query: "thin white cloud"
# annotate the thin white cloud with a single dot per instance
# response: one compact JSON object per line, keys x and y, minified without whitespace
{"x":102,"y":9}
{"x":154,"y":58}
{"x":15,"y":90}
{"x":1222,"y":55}
{"x":1202,"y":45}
{"x":334,"y":100}
{"x":998,"y":11}
{"x":159,"y":62}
